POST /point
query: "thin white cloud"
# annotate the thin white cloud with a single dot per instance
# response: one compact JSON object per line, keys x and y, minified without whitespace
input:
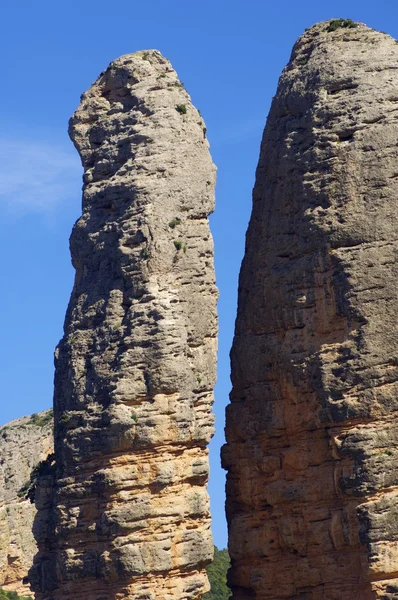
{"x":36,"y":176}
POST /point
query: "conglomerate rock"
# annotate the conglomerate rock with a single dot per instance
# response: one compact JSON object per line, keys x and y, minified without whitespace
{"x":312,"y":497}
{"x":24,"y":443}
{"x":135,"y":370}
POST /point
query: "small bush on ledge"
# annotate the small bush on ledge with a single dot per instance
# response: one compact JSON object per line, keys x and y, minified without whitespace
{"x":41,"y":420}
{"x":341,"y":23}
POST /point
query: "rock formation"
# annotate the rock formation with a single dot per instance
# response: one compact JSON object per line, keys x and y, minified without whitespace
{"x":135,"y":370}
{"x":311,"y":452}
{"x":23,"y":444}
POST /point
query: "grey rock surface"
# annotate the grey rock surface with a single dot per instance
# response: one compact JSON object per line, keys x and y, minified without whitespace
{"x":311,"y":429}
{"x":24,"y":443}
{"x":129,"y":514}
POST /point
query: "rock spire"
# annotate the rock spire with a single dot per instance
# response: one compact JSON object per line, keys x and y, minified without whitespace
{"x":312,"y":425}
{"x":129,"y":514}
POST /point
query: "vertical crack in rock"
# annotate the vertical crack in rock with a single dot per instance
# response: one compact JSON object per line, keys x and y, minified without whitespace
{"x":135,"y":370}
{"x":311,"y":454}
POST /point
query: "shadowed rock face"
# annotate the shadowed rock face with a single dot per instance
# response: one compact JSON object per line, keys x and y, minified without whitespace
{"x":24,"y":443}
{"x":135,"y":369}
{"x":312,"y":426}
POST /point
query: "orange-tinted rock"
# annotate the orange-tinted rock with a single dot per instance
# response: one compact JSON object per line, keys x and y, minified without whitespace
{"x":311,"y":454}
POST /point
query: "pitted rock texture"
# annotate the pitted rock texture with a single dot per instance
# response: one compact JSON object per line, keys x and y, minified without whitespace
{"x":24,"y":443}
{"x":135,"y":369}
{"x":311,"y":450}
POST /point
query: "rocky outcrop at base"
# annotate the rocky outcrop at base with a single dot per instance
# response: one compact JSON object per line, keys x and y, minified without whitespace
{"x":24,"y":443}
{"x":311,"y":448}
{"x":135,"y":369}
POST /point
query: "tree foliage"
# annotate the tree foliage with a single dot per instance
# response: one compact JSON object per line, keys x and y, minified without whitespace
{"x":217,"y":573}
{"x":4,"y":595}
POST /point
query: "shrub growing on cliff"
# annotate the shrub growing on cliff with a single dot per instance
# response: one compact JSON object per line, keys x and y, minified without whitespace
{"x":41,"y":420}
{"x":217,"y":573}
{"x":338,"y":23}
{"x":174,"y":223}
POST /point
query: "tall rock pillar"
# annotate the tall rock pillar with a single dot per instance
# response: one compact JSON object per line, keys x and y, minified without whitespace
{"x":312,"y":496}
{"x":135,"y":370}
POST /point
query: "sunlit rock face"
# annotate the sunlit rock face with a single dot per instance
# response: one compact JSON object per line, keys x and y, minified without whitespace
{"x":24,"y":443}
{"x":311,"y":448}
{"x":127,"y":514}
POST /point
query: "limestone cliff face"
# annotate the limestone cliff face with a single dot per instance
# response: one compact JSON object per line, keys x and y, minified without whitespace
{"x":23,"y":444}
{"x":135,"y":369}
{"x":312,"y":451}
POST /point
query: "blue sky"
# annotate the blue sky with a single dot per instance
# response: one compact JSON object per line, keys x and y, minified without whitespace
{"x":229,"y":56}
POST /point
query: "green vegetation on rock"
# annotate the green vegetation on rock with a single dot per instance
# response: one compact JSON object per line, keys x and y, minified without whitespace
{"x":40,"y":420}
{"x":11,"y":595}
{"x":341,"y":23}
{"x":174,"y":222}
{"x":217,"y":573}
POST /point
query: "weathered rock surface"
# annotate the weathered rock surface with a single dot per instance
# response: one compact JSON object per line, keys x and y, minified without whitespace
{"x":312,"y":455}
{"x":135,"y":369}
{"x":23,"y":444}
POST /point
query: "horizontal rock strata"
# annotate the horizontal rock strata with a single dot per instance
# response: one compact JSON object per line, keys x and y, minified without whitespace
{"x":312,"y":452}
{"x":135,"y":370}
{"x":24,"y":443}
